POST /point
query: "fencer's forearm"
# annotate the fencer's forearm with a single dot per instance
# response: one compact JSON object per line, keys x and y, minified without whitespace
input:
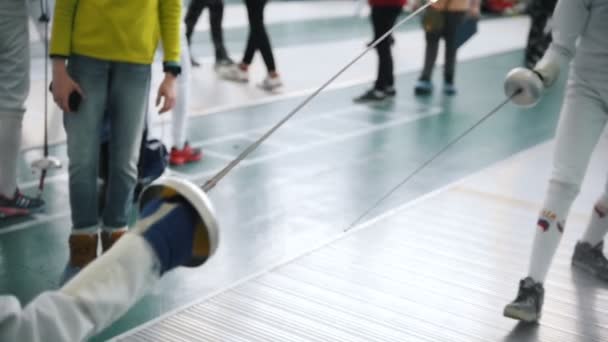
{"x":110,"y":285}
{"x":91,"y":301}
{"x":52,"y":316}
{"x":569,"y":21}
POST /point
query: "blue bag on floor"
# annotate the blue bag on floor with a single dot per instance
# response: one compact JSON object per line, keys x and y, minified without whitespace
{"x":466,"y":30}
{"x":153,"y":161}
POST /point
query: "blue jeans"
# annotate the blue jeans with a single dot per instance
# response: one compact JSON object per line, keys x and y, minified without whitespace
{"x":122,"y":90}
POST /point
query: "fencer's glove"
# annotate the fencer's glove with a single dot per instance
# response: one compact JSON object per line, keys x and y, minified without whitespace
{"x":549,"y":67}
{"x":169,"y":227}
{"x":525,"y":85}
{"x":532,"y":83}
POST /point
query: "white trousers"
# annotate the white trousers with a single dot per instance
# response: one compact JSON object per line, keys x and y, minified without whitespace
{"x":582,"y":121}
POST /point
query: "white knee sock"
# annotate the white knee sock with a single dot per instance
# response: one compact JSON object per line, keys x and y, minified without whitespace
{"x":598,"y":226}
{"x":182,"y":104}
{"x":10,"y":140}
{"x":86,"y":231}
{"x":114,"y":229}
{"x":550,"y":227}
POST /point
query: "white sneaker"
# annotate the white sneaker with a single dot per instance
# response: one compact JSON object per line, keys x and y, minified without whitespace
{"x":271,"y":83}
{"x":233,"y":73}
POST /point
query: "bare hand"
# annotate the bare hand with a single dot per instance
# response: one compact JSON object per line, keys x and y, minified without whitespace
{"x":63,"y":86}
{"x":166,"y":94}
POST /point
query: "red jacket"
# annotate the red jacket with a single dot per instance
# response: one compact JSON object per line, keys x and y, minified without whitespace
{"x":387,"y":2}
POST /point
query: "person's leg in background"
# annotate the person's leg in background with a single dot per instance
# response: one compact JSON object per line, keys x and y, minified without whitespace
{"x":382,"y":18}
{"x":216,"y":17}
{"x":83,"y":129}
{"x":182,"y":152}
{"x":193,"y":13}
{"x":581,"y":124}
{"x":257,"y":40}
{"x":252,"y":39}
{"x":14,"y":89}
{"x":453,"y":20}
{"x":127,"y":105}
{"x":424,"y":86}
{"x":240,"y":72}
{"x":386,"y":77}
{"x":256,"y":19}
{"x":539,"y":37}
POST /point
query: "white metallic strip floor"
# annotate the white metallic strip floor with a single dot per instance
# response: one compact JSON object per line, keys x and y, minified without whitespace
{"x":440,"y":270}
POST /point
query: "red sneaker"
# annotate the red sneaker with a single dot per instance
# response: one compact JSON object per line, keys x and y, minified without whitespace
{"x":185,"y":155}
{"x":175,"y":157}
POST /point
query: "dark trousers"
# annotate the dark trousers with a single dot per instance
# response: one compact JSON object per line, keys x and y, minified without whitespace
{"x":258,"y":37}
{"x":383,"y":18}
{"x":216,"y":15}
{"x":452,"y":21}
{"x":538,"y":40}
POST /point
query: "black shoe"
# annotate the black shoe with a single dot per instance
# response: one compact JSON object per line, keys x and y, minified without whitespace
{"x":19,"y":205}
{"x":390,"y":91}
{"x":449,"y":89}
{"x":372,"y":95}
{"x":423,"y":87}
{"x":591,"y":259}
{"x":529,"y":302}
{"x":223,"y":65}
{"x":194,"y":62}
{"x":221,"y":54}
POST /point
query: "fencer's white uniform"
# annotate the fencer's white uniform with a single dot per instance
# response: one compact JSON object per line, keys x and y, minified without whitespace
{"x":15,"y":81}
{"x":91,"y":301}
{"x":580,"y":36}
{"x":585,"y":108}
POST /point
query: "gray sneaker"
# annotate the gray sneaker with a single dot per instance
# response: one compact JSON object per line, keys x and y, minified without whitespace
{"x":529,"y":302}
{"x":591,"y":259}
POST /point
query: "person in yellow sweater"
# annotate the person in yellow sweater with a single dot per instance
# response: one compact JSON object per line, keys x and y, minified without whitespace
{"x":102,"y":51}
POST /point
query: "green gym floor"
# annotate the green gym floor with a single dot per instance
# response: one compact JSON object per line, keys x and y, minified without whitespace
{"x":309,"y":181}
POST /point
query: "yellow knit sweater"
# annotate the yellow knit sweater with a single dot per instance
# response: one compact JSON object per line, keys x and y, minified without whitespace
{"x":117,"y":30}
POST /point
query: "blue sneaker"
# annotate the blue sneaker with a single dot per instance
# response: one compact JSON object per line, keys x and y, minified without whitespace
{"x":449,"y":89}
{"x":423,"y":87}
